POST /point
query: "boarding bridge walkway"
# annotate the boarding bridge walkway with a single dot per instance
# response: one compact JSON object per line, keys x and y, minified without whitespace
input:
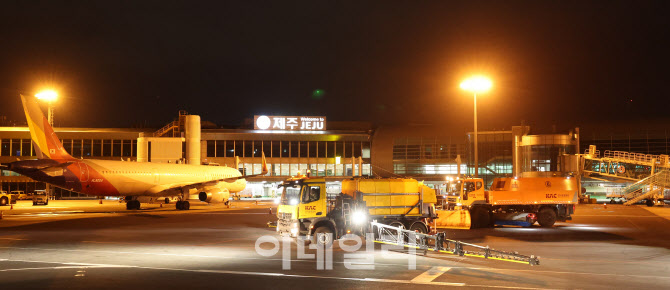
{"x":651,"y":173}
{"x":623,"y":165}
{"x":651,"y":188}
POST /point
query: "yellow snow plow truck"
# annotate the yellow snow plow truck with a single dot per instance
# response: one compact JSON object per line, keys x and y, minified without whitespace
{"x":511,"y":201}
{"x":306,"y":209}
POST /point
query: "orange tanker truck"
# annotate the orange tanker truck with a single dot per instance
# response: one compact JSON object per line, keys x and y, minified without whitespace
{"x":511,"y":201}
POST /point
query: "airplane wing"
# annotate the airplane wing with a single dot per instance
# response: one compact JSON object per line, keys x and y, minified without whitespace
{"x":186,"y":186}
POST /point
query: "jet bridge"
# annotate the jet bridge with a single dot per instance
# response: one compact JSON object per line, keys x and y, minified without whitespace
{"x":650,"y":173}
{"x":622,"y":165}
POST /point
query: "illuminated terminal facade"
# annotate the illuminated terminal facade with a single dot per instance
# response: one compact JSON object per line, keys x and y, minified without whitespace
{"x":292,"y":144}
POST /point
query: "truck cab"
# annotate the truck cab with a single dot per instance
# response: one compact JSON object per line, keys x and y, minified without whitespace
{"x":303,"y":201}
{"x":464,"y":193}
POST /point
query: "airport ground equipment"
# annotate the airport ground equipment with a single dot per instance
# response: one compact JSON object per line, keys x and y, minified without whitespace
{"x":511,"y":201}
{"x":438,"y":243}
{"x":651,"y":174}
{"x":6,"y":199}
{"x":623,"y":165}
{"x":40,"y":197}
{"x":653,"y":190}
{"x":306,"y":209}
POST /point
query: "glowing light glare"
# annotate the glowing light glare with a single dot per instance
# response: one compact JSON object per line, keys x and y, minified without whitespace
{"x":47,"y":95}
{"x":477,"y":84}
{"x":359,"y":217}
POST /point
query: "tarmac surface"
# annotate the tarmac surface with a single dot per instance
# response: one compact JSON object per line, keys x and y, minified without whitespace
{"x":82,"y":244}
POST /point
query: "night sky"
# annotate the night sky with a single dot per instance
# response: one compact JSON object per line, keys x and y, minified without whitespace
{"x":137,"y":63}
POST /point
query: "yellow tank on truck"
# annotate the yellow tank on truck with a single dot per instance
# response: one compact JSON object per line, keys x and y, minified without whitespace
{"x":390,"y":196}
{"x":533,"y":190}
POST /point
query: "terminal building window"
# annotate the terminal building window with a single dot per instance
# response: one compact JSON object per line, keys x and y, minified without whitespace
{"x":303,"y":149}
{"x":127,"y":148}
{"x":239,"y":149}
{"x":86,"y":148}
{"x":321,"y":149}
{"x":294,"y":149}
{"x":276,"y":149}
{"x":97,"y":148}
{"x":106,"y":148}
{"x":16,"y":147}
{"x":267,"y":148}
{"x":285,"y":149}
{"x":116,"y":147}
{"x":26,"y":146}
{"x":211,"y":147}
{"x":67,"y":145}
{"x":5,"y":147}
{"x":248,"y":149}
{"x":76,"y":148}
{"x":311,"y":149}
{"x":426,"y":156}
{"x":339,"y":149}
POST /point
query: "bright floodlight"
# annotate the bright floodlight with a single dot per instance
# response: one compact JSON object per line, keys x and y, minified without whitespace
{"x":47,"y":95}
{"x":477,"y":84}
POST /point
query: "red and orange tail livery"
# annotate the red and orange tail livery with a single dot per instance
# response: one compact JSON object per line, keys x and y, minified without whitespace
{"x":47,"y":145}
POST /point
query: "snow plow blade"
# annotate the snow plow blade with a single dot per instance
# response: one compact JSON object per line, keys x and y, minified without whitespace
{"x":453,"y":219}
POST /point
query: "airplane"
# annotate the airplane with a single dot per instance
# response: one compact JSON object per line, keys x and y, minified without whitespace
{"x":134,"y":180}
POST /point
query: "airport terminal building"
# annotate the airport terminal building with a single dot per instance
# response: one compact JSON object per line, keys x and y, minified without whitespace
{"x":301,"y":144}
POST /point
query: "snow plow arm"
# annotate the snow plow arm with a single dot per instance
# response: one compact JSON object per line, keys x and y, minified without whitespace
{"x":438,"y":243}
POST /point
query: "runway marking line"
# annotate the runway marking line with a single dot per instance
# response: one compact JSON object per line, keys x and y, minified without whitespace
{"x":292,"y":260}
{"x":431,"y":274}
{"x":230,"y":272}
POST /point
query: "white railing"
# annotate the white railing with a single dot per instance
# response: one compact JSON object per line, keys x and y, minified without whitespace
{"x":166,"y":128}
{"x":629,"y":156}
{"x":653,"y":182}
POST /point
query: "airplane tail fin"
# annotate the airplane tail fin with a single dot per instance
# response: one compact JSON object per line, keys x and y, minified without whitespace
{"x":264,"y":164}
{"x":47,"y":144}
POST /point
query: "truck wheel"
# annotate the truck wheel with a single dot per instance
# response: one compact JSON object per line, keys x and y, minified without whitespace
{"x":480,"y":218}
{"x":4,"y":201}
{"x":418,"y":227}
{"x":546,"y":217}
{"x":323,"y":236}
{"x":650,"y":202}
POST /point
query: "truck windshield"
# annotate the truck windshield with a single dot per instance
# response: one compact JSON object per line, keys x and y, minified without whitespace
{"x":290,"y":195}
{"x":454,"y":187}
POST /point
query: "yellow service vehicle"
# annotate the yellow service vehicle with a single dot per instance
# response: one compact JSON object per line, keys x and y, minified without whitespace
{"x":511,"y":201}
{"x":307,"y":210}
{"x":6,"y":199}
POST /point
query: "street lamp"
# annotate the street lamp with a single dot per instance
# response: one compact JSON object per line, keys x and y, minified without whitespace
{"x":476,"y":84}
{"x":49,"y":96}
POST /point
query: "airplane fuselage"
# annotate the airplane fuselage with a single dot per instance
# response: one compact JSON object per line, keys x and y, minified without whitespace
{"x":125,"y":178}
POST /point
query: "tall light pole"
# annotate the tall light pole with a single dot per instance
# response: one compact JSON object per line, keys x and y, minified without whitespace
{"x":49,"y":96}
{"x":476,"y":84}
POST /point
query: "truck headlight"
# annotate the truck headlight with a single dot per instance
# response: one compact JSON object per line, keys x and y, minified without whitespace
{"x":359,"y":217}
